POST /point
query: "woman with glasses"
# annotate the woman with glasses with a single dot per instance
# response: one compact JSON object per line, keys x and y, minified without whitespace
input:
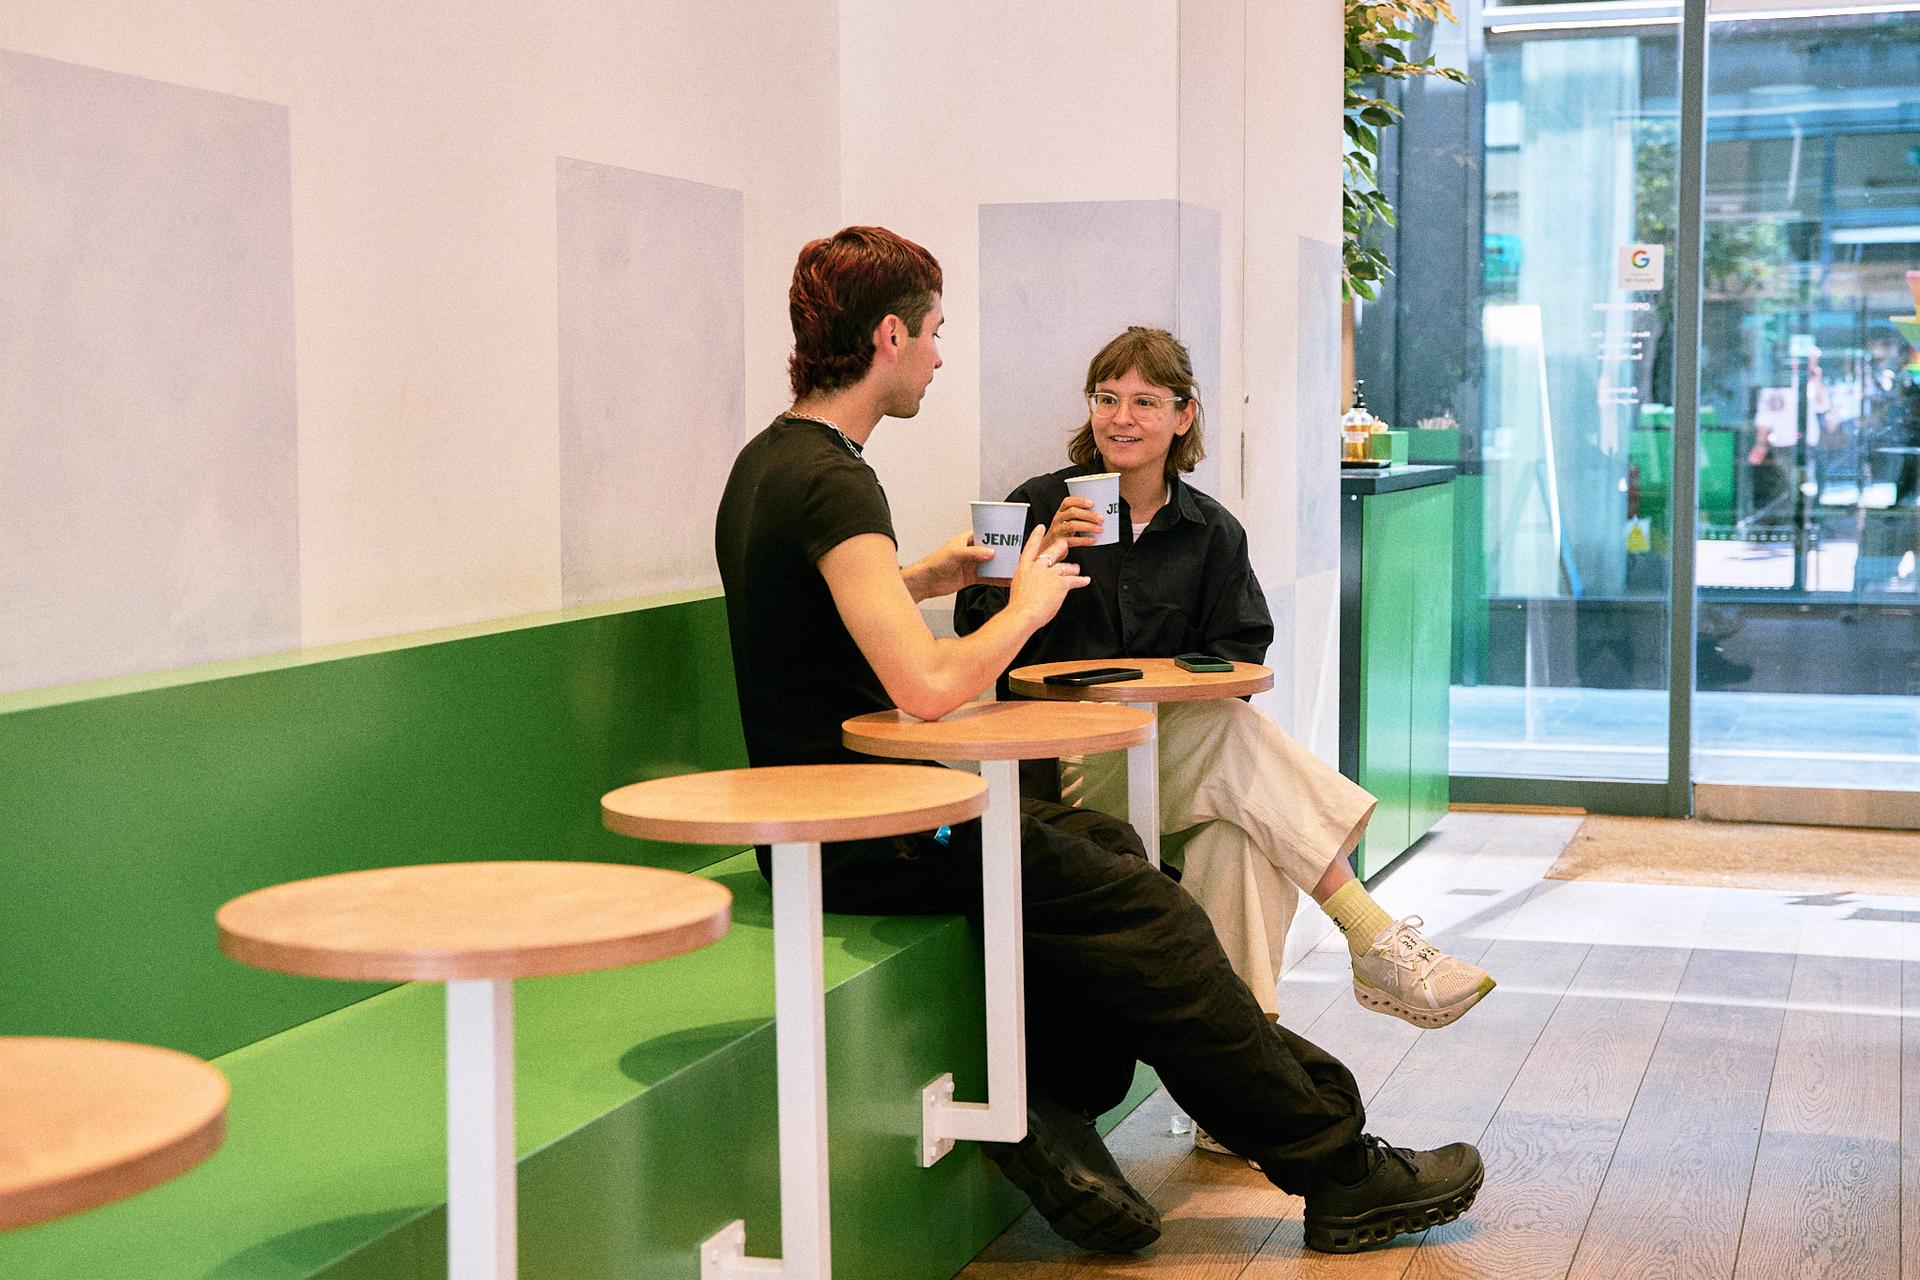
{"x":1273,"y":819}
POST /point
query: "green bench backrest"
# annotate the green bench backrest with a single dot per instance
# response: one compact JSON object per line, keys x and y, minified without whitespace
{"x":129,"y":814}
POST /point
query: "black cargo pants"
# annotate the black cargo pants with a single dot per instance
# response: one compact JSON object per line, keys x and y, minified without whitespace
{"x":1122,"y":965}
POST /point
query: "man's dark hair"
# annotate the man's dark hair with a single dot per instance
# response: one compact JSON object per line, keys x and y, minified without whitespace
{"x":843,"y":287}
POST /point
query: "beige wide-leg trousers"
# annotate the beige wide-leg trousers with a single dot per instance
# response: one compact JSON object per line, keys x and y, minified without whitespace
{"x":1276,"y":817}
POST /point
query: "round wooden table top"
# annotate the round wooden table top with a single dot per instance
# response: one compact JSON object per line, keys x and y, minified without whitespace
{"x":789,"y":804}
{"x":1000,"y":731}
{"x":463,"y":920}
{"x":86,"y":1122}
{"x":1161,"y":680}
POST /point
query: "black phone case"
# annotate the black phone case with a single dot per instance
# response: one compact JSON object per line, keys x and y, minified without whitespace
{"x":1093,"y":675}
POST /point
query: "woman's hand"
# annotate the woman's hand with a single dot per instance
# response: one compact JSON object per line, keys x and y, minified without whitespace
{"x":1076,"y":523}
{"x":1041,"y":582}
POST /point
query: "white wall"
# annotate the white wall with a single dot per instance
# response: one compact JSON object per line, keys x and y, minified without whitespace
{"x":949,"y":106}
{"x":428,"y":355}
{"x":1290,"y":337}
{"x":424,"y":140}
{"x":1225,"y":105}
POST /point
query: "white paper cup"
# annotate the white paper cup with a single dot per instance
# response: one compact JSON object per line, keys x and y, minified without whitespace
{"x":1103,"y":491}
{"x":1002,"y":526}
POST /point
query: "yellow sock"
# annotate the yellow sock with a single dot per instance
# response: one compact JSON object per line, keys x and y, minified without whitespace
{"x":1358,"y":915}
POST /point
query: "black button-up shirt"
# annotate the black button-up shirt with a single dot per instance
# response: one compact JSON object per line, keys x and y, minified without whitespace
{"x":1185,"y":586}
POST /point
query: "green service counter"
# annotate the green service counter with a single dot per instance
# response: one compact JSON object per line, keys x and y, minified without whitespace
{"x":1396,"y":641}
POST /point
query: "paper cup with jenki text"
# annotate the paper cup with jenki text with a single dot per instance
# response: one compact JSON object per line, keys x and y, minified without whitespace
{"x":1003,"y":527}
{"x":1103,"y":491}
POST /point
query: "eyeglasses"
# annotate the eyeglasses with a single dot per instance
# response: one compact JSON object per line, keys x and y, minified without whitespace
{"x":1105,"y":404}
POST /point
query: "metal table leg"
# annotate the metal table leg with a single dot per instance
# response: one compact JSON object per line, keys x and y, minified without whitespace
{"x":1003,"y":1117}
{"x":482,"y":1236}
{"x":800,"y":1048}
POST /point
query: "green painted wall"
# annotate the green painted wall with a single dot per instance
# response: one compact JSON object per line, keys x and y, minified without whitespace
{"x":129,"y":811}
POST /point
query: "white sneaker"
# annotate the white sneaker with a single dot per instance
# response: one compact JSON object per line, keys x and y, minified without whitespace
{"x":1204,"y":1141}
{"x":1405,"y":975}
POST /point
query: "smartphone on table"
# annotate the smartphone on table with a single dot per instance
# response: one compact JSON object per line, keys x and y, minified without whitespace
{"x":1202,"y":662}
{"x":1093,"y":675}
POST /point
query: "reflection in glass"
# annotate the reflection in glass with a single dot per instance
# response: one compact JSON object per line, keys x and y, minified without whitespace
{"x":1807,"y":529}
{"x":1810,"y":595}
{"x":1572,"y":676}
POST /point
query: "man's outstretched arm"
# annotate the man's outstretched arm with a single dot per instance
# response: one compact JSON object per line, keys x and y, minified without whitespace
{"x":927,"y":676}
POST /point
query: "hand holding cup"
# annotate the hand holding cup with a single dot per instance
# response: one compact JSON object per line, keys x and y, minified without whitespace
{"x":1001,"y":528}
{"x":1076,"y":523}
{"x":1102,"y":493}
{"x":954,"y":565}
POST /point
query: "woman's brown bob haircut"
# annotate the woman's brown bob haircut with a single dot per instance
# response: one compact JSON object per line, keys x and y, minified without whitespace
{"x":1161,"y":359}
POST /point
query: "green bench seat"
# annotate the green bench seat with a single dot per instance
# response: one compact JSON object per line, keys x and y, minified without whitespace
{"x":646,"y":1095}
{"x":646,"y":1123}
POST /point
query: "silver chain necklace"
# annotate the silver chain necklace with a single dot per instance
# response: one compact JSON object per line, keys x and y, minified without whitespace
{"x":845,"y":439}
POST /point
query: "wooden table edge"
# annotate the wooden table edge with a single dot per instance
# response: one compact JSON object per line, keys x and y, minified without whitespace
{"x":1228,"y":685}
{"x":794,"y":830}
{"x":1037,"y":749}
{"x":106,"y":1184}
{"x":590,"y":956}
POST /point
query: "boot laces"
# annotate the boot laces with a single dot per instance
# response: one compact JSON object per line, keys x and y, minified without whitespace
{"x":1403,"y":1154}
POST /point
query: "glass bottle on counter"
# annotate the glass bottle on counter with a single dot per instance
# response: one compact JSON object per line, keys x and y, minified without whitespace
{"x":1356,"y":425}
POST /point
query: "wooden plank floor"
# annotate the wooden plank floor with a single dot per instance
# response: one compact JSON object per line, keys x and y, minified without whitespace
{"x":1670,"y":1082}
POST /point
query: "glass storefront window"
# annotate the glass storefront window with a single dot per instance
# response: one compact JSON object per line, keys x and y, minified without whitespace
{"x":1807,"y":526}
{"x":1579,"y":170}
{"x":1809,"y":590}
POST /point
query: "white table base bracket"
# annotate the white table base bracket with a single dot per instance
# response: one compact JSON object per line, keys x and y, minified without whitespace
{"x":724,"y":1255}
{"x":482,"y":1238}
{"x":800,"y":1051}
{"x":1003,"y":1117}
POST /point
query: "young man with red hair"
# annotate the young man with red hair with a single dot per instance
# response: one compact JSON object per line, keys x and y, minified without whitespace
{"x":1121,"y":964}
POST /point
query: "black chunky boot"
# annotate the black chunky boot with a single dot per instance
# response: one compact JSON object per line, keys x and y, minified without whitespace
{"x":1067,"y":1172}
{"x":1394,"y":1191}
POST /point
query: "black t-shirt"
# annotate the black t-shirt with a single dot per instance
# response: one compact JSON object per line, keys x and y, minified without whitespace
{"x":797,"y":491}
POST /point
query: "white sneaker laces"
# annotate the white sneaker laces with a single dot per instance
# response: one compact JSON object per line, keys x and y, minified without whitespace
{"x":1403,"y":945}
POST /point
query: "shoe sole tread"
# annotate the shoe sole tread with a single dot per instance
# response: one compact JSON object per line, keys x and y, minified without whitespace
{"x":1081,"y":1212}
{"x":1375,"y":998}
{"x":1376,"y":1227}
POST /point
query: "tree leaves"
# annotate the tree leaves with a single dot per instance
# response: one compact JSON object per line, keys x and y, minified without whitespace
{"x":1376,"y":40}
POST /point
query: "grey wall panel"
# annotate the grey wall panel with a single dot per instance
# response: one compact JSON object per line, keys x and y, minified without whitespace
{"x":652,"y":376}
{"x":148,"y":468}
{"x":1198,"y":325}
{"x":1316,"y":409}
{"x":1056,"y":282}
{"x":1283,"y":601}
